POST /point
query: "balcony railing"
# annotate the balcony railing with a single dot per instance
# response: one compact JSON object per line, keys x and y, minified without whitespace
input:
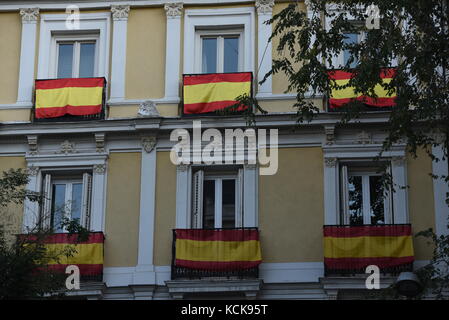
{"x":207,"y":93}
{"x":69,"y":99}
{"x":87,"y":254}
{"x":231,"y":253}
{"x":350,"y":249}
{"x":338,"y":98}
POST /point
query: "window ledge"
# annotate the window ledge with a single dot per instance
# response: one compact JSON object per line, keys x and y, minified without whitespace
{"x":178,"y":288}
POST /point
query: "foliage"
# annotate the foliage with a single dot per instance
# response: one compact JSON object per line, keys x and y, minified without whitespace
{"x":24,"y":262}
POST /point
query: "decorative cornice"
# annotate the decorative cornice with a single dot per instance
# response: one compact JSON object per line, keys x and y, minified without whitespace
{"x":364,"y":137}
{"x":99,"y":168}
{"x":173,"y":10}
{"x":182,"y":167}
{"x":398,"y":161}
{"x":330,"y":135}
{"x":330,"y":162}
{"x":32,"y":144}
{"x":32,"y":171}
{"x":264,"y":6}
{"x":66,"y":147}
{"x":119,"y":12}
{"x":29,"y":15}
{"x":148,"y":143}
{"x":99,"y":142}
{"x":148,"y":109}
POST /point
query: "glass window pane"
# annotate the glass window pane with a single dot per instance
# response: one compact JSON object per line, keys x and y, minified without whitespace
{"x":77,"y":192}
{"x":228,"y":203}
{"x":355,"y":200}
{"x":209,"y":55}
{"x":376,"y":191}
{"x":231,"y":54}
{"x":209,"y":204}
{"x":350,"y":38}
{"x":65,"y":60}
{"x":87,"y":60}
{"x":58,"y":206}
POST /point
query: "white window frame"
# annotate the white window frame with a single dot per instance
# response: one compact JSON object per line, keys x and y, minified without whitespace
{"x":76,"y":40}
{"x":335,"y":155}
{"x":90,"y":23}
{"x":201,"y":19}
{"x":366,"y":205}
{"x":198,"y":210}
{"x":341,"y":56}
{"x":86,"y":197}
{"x":60,"y":164}
{"x":220,"y":35}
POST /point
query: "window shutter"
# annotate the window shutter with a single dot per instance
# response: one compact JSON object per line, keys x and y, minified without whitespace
{"x":239,"y":200}
{"x":47,"y":202}
{"x":344,"y":195}
{"x":86,"y":200}
{"x":197,"y":201}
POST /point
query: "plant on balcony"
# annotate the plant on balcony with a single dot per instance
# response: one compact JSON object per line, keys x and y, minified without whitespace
{"x":24,"y":260}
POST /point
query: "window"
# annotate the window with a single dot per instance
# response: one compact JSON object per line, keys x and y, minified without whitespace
{"x":217,"y":199}
{"x":350,"y":38}
{"x":76,"y":57}
{"x":66,"y":197}
{"x":219,"y":52}
{"x":365,"y":200}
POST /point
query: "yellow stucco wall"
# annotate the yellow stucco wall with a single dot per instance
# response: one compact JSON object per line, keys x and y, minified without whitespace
{"x":10,"y":35}
{"x":293,"y":232}
{"x":122,"y":210}
{"x":145,"y":56}
{"x":11,"y":216}
{"x":165,"y":209}
{"x":7,"y":115}
{"x":420,"y":201}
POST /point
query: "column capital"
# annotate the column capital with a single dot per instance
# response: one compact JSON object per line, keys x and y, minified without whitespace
{"x":120,"y":12}
{"x":264,"y":6}
{"x":148,"y":143}
{"x":29,"y":15}
{"x":173,"y":10}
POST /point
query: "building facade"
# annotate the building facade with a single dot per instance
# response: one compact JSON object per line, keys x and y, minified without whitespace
{"x":116,"y":164}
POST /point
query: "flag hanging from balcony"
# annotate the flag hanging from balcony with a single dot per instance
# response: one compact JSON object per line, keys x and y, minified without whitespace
{"x":217,"y":249}
{"x":74,"y":96}
{"x":210,"y":92}
{"x":87,"y":255}
{"x":340,"y":97}
{"x":353,"y":248}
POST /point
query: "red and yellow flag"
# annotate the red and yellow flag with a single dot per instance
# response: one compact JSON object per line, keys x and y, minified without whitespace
{"x":340,"y":97}
{"x":88,"y":255}
{"x":74,"y":96}
{"x":236,"y":249}
{"x":210,"y":92}
{"x":356,"y":247}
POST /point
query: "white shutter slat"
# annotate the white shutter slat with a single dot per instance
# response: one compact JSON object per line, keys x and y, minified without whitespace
{"x":197,"y":200}
{"x":344,"y":194}
{"x":86,"y":200}
{"x":239,"y":200}
{"x":47,"y":202}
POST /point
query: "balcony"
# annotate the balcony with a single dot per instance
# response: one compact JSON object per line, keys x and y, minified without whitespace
{"x":69,"y":99}
{"x":207,"y":93}
{"x":338,"y":98}
{"x":217,"y":253}
{"x":87,"y":255}
{"x":350,"y":249}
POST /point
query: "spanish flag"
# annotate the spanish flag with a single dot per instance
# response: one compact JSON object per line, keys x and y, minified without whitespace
{"x":210,"y":92}
{"x":74,"y":96}
{"x":340,"y":97}
{"x":217,"y":249}
{"x":349,"y":248}
{"x":88,"y":255}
